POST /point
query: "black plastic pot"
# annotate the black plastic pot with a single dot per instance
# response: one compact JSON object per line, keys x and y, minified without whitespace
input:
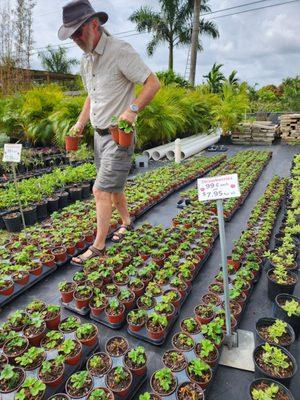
{"x":275,"y":288}
{"x":63,"y":200}
{"x":75,"y":194}
{"x":86,"y":191}
{"x":267,"y":322}
{"x":269,"y":381}
{"x":53,"y":204}
{"x":279,"y":312}
{"x":2,"y":214}
{"x":30,"y":216}
{"x":42,"y":211}
{"x":13,"y":224}
{"x":260,"y":373}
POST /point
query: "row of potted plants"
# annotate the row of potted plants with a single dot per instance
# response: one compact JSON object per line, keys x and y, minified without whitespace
{"x":40,"y":350}
{"x":274,"y":364}
{"x":249,"y":166}
{"x":68,"y":232}
{"x":45,"y":194}
{"x":195,"y":348}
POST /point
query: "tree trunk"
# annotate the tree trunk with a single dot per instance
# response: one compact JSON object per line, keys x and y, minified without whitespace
{"x":171,"y":56}
{"x":195,"y":41}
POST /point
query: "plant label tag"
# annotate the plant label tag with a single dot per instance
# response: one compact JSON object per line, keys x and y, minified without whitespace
{"x":12,"y":153}
{"x":218,"y":187}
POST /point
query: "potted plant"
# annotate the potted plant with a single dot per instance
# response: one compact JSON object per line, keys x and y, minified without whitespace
{"x":136,"y":361}
{"x":79,"y":384}
{"x":126,"y":131}
{"x":15,"y":347}
{"x":52,"y":371}
{"x":52,"y":316}
{"x":117,"y":346}
{"x":274,"y":331}
{"x":87,"y":334}
{"x":189,"y":390}
{"x":31,"y":389}
{"x":82,"y":296}
{"x":136,"y":319}
{"x":35,"y":330}
{"x":149,"y":396}
{"x":35,"y":306}
{"x":69,"y":324}
{"x":72,"y":350}
{"x":274,"y":362}
{"x":174,"y":360}
{"x":11,"y":378}
{"x":264,"y":388}
{"x":190,"y":326}
{"x":115,"y":311}
{"x":99,"y":364}
{"x":163,"y":382}
{"x":52,"y":340}
{"x":288,"y":309}
{"x":280,"y":281}
{"x":207,"y":351}
{"x":156,"y":326}
{"x":199,"y":372}
{"x":6,"y":286}
{"x":32,"y":359}
{"x":72,"y":140}
{"x":114,"y":130}
{"x":183,"y":342}
{"x":204,"y":313}
{"x":126,"y":297}
{"x":213,"y":331}
{"x":98,"y":303}
{"x":119,"y":380}
{"x":101,"y":393}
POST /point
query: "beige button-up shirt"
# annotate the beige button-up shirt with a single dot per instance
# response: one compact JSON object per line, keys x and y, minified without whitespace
{"x":109,"y":75}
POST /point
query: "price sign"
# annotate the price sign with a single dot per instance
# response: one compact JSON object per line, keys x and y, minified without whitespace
{"x":12,"y":153}
{"x":218,"y":187}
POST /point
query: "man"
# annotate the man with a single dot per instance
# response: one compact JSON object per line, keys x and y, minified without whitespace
{"x":110,"y":68}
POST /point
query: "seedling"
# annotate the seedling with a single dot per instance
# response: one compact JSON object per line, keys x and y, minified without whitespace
{"x":33,"y":385}
{"x":276,"y":330}
{"x":165,"y":378}
{"x":198,"y":367}
{"x":79,"y":379}
{"x":275,"y":358}
{"x":137,"y":356}
{"x":9,"y":376}
{"x":292,"y":307}
{"x":268,"y":393}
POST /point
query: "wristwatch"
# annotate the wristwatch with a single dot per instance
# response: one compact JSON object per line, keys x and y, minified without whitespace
{"x":134,"y":108}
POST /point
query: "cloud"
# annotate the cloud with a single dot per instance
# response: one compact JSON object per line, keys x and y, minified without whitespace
{"x":263,"y":46}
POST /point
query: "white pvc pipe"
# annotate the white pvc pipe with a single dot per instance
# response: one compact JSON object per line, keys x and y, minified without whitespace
{"x":177,"y":151}
{"x":189,"y":149}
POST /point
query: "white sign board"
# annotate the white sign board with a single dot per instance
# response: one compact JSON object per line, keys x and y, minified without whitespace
{"x":12,"y":153}
{"x":218,"y":187}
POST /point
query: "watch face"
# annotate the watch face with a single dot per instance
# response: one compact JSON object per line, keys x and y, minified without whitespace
{"x":134,"y":108}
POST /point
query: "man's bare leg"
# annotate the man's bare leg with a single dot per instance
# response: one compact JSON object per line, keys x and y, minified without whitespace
{"x":120,"y":203}
{"x":103,"y":211}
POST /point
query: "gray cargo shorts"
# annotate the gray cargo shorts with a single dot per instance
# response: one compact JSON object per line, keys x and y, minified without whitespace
{"x":113,"y":163}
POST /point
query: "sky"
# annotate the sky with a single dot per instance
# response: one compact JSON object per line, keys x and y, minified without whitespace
{"x":263,"y":46}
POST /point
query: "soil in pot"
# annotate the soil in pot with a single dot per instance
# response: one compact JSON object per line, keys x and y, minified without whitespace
{"x":35,"y":332}
{"x":117,"y":346}
{"x":275,"y":331}
{"x":101,"y":393}
{"x":99,"y":364}
{"x":190,"y":390}
{"x":199,"y":372}
{"x":69,"y":324}
{"x":183,"y":342}
{"x":13,"y":222}
{"x":175,"y":360}
{"x":163,"y":382}
{"x":79,"y":384}
{"x":51,"y":372}
{"x":277,"y":286}
{"x":207,"y":351}
{"x":275,"y":362}
{"x":15,"y":347}
{"x":288,"y":309}
{"x":268,"y":387}
{"x":190,"y":326}
{"x":119,"y":380}
{"x":17,"y":376}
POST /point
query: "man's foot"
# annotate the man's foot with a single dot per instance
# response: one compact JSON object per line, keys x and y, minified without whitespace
{"x":118,"y":236}
{"x":91,"y":252}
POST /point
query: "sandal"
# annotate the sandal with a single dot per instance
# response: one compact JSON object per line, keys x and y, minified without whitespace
{"x":94,"y":253}
{"x":121,"y":235}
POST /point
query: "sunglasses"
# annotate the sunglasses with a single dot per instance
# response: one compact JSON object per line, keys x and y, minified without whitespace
{"x":79,"y":31}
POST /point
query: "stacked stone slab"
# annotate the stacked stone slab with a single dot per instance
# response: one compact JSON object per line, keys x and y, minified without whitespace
{"x":290,"y":128}
{"x":260,"y":132}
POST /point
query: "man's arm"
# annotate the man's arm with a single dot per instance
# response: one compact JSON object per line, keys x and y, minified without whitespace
{"x":83,"y":118}
{"x":150,"y":88}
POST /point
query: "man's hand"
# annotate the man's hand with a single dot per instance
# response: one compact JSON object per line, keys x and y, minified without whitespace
{"x":77,"y":129}
{"x":129,"y":116}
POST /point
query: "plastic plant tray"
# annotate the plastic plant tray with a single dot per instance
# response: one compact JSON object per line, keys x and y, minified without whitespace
{"x":69,"y":369}
{"x":136,"y":384}
{"x":143,"y":335}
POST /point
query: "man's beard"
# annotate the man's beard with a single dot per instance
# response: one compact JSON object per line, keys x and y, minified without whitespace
{"x":87,"y":46}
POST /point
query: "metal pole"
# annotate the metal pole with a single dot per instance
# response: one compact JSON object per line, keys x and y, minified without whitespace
{"x":225,"y":270}
{"x":18,"y":194}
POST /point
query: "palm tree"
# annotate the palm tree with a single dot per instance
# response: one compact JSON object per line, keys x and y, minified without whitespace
{"x":215,"y":78}
{"x":233,"y":79}
{"x":172,"y":24}
{"x":56,"y":60}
